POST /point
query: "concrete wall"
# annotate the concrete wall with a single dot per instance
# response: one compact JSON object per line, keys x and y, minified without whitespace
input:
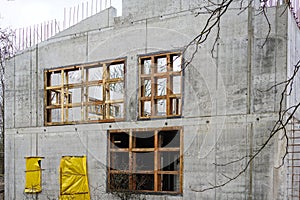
{"x":98,"y":21}
{"x":293,"y":60}
{"x":140,"y":10}
{"x":225,"y":114}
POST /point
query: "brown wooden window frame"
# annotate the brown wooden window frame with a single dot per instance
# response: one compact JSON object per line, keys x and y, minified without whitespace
{"x":125,"y":168}
{"x":151,"y":77}
{"x":92,"y":110}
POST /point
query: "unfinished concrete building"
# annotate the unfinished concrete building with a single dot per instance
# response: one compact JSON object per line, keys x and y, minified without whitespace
{"x":110,"y":105}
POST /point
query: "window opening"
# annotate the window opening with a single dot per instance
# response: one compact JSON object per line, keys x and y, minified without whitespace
{"x":146,"y":160}
{"x":85,"y":93}
{"x":160,"y":85}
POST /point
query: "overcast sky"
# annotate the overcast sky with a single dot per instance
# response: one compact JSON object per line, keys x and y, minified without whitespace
{"x":22,"y":13}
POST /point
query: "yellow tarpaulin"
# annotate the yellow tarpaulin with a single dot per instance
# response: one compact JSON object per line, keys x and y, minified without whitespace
{"x":73,"y":178}
{"x":33,"y":175}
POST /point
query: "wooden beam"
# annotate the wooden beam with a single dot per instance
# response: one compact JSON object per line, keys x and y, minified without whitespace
{"x":47,"y":117}
{"x":62,"y":96}
{"x":169,"y":87}
{"x":67,"y":96}
{"x":153,"y":87}
{"x":156,"y":161}
{"x":87,"y":98}
{"x":181,"y":162}
{"x":131,"y":161}
{"x":143,"y":150}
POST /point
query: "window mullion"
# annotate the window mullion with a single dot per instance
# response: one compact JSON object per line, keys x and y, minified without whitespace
{"x":86,"y":86}
{"x":62,"y":96}
{"x":131,"y":161}
{"x":47,"y":94}
{"x":156,"y":161}
{"x":169,"y":86}
{"x":107,"y":77}
{"x":153,"y":70}
{"x":181,"y":162}
{"x":67,"y":96}
{"x":104,"y":88}
{"x":141,"y":86}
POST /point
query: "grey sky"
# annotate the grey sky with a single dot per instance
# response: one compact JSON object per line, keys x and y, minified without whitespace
{"x":22,"y":13}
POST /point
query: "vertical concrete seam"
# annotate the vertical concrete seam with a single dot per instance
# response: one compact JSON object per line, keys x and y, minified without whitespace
{"x":108,"y":17}
{"x":249,"y":58}
{"x":275,"y":95}
{"x":36,"y":144}
{"x":180,"y":5}
{"x":14,"y":163}
{"x":31,"y":146}
{"x":275,"y":56}
{"x":87,"y":47}
{"x":87,"y":147}
{"x":216,"y":104}
{"x":215,"y":159}
{"x":251,"y":163}
{"x":146,"y":38}
{"x":246,"y":192}
{"x":286,"y":74}
{"x":37,"y":85}
{"x":14,"y":110}
{"x":31,"y":94}
{"x":217,"y":73}
{"x":249,"y":92}
{"x":287,"y":47}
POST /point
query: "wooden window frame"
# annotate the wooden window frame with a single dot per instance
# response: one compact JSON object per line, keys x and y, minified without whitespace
{"x":101,"y":108}
{"x":132,"y":168}
{"x":172,"y":100}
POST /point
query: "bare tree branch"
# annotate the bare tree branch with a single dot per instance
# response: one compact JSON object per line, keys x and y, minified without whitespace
{"x":285,"y":115}
{"x":6,"y":51}
{"x":212,"y":21}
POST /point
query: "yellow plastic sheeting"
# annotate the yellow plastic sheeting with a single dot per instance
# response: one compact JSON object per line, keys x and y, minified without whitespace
{"x":33,"y":175}
{"x":73,"y":178}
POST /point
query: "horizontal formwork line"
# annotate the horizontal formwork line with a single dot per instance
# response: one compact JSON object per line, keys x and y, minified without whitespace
{"x":294,"y":138}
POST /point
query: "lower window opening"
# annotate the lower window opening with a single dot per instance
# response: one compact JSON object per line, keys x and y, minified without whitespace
{"x":145,"y":160}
